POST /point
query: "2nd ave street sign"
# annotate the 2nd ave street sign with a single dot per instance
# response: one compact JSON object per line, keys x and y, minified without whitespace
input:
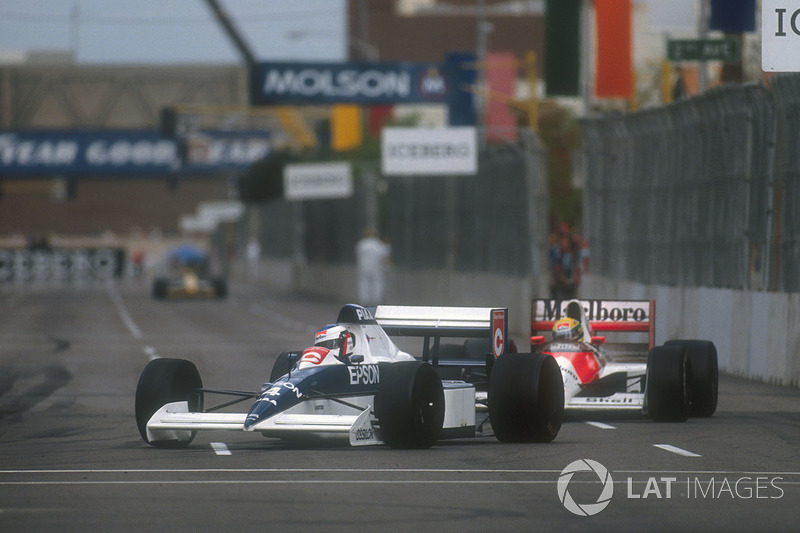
{"x":725,"y":50}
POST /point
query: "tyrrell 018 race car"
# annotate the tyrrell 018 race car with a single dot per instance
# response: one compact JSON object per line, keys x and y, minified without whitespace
{"x":667,"y":383}
{"x":186,"y":273}
{"x":355,"y":384}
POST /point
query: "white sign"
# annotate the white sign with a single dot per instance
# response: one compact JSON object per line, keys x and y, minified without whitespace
{"x":780,"y":36}
{"x":311,"y":181}
{"x":429,"y":151}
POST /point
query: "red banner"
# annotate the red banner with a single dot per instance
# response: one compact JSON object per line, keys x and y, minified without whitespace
{"x":614,"y":65}
{"x":501,"y":77}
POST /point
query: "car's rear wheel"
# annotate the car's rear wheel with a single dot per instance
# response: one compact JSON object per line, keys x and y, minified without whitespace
{"x":160,"y":288}
{"x":705,"y":375}
{"x":668,"y":384}
{"x":526,"y":397}
{"x":409,"y":405}
{"x":220,"y":287}
{"x":165,"y":381}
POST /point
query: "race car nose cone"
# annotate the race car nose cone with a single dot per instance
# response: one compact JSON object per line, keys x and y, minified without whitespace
{"x":258,"y":412}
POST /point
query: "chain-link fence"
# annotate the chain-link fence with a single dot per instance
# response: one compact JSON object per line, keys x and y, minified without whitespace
{"x":493,"y":221}
{"x":686,"y":194}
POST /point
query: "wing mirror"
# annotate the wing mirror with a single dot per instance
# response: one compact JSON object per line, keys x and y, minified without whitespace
{"x":356,"y":358}
{"x":597,"y":341}
{"x":536,"y":340}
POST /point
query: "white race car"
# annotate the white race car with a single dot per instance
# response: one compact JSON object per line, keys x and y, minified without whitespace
{"x":667,"y":383}
{"x":354,"y":383}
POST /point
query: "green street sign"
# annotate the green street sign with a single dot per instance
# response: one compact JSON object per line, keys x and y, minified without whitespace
{"x":725,"y":50}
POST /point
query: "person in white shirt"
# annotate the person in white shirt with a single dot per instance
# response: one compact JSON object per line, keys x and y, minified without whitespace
{"x":372,"y":256}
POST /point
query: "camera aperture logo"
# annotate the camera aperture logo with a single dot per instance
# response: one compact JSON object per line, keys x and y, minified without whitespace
{"x":591,"y":508}
{"x":747,"y":486}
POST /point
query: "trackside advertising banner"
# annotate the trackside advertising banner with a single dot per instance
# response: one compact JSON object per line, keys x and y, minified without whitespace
{"x":349,"y":82}
{"x":429,"y":151}
{"x":62,"y":264}
{"x":125,"y":152}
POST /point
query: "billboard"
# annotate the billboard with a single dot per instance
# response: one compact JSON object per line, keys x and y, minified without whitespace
{"x":312,"y":181}
{"x":125,"y":152}
{"x":780,"y":36}
{"x":429,"y":151}
{"x":348,"y":82}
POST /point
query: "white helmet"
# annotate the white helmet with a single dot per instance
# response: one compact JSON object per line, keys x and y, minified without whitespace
{"x":337,"y":339}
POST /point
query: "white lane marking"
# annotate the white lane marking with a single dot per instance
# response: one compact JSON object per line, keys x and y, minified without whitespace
{"x":676,"y":450}
{"x":151,"y":352}
{"x":370,"y":470}
{"x":600,"y":425}
{"x":121,"y":311}
{"x":220,"y":448}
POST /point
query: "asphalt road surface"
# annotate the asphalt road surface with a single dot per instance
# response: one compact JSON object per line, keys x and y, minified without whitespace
{"x":71,"y":458}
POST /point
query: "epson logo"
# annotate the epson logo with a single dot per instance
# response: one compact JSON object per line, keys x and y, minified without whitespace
{"x":364,"y":375}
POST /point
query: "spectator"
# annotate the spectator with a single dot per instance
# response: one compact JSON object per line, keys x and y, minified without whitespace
{"x":372,"y":256}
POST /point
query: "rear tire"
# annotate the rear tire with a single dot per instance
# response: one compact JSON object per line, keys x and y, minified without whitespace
{"x":165,"y":381}
{"x":409,"y":405}
{"x":160,"y":288}
{"x":668,"y":384}
{"x":526,"y":398}
{"x":220,"y":287}
{"x":705,"y":375}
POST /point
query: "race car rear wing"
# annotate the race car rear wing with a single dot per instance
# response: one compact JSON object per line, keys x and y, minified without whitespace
{"x":438,"y":322}
{"x":630,"y":316}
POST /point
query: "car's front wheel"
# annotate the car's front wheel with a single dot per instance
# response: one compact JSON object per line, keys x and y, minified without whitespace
{"x":165,"y":381}
{"x":526,"y":397}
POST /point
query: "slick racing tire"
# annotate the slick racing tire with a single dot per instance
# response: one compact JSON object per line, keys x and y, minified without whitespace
{"x":705,"y":375}
{"x":220,"y":287}
{"x":160,"y":288}
{"x":164,"y":381}
{"x":526,"y":397}
{"x":668,"y":384}
{"x":409,"y":405}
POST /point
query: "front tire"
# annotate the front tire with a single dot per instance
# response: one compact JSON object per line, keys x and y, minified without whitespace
{"x":668,"y":384}
{"x":165,"y":381}
{"x":705,"y":375}
{"x":409,"y":405}
{"x":526,"y":397}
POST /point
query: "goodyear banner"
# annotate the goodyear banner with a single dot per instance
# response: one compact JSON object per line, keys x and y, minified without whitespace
{"x":349,"y":82}
{"x":125,"y":152}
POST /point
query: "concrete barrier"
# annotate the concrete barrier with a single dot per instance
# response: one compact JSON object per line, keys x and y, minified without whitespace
{"x":757,"y":334}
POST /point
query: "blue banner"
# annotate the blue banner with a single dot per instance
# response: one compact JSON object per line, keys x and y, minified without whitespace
{"x":352,"y":82}
{"x":125,"y":152}
{"x":733,"y":16}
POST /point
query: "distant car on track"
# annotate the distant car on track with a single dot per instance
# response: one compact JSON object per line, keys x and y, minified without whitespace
{"x":355,"y":384}
{"x":186,"y":273}
{"x":667,"y":383}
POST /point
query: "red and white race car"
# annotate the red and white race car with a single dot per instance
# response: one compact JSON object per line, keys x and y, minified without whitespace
{"x":667,"y":383}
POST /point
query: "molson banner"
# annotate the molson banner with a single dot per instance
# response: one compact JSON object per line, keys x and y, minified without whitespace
{"x":351,"y":82}
{"x":127,"y":152}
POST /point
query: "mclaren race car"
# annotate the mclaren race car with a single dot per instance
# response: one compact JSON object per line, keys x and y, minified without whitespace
{"x":186,"y":273}
{"x":667,"y":383}
{"x":355,"y":384}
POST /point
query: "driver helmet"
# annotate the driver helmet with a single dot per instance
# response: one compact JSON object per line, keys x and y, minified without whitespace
{"x":337,"y":339}
{"x":567,"y":329}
